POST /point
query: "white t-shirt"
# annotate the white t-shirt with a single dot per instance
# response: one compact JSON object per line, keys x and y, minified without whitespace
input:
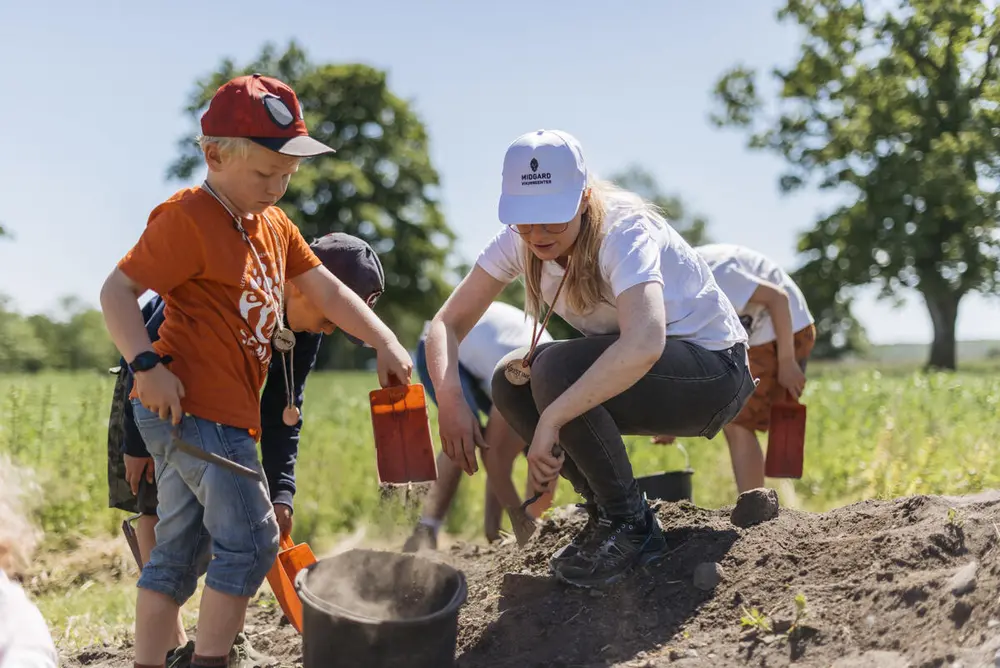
{"x":637,"y":248}
{"x":25,"y":640}
{"x":502,"y":329}
{"x":739,"y":271}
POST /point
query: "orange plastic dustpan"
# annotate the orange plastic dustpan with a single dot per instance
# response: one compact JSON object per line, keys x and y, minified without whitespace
{"x":786,"y":439}
{"x":403,"y":449}
{"x":291,"y":559}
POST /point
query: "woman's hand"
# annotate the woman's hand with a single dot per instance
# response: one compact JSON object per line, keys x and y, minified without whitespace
{"x":460,"y":432}
{"x":545,"y":457}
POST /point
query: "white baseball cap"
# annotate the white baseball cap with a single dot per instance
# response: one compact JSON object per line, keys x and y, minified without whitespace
{"x":544,"y":177}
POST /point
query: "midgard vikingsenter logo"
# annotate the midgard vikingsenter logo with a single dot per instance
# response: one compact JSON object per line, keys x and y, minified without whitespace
{"x":534,"y":177}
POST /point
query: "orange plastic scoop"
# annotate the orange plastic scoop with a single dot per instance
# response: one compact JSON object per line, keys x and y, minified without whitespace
{"x":403,"y":449}
{"x":786,"y":439}
{"x":291,"y":559}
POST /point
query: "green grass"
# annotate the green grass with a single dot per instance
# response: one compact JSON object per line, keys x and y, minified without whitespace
{"x":870,"y":435}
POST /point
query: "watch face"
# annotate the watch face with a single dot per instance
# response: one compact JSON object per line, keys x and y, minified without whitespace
{"x":145,"y":361}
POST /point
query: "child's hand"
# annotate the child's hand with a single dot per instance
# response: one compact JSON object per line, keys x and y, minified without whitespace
{"x":161,"y":392}
{"x":284,"y":515}
{"x":790,"y":377}
{"x":394,"y":363}
{"x":135,"y":469}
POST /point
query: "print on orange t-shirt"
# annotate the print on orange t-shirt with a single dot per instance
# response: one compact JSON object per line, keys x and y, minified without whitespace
{"x":218,"y":324}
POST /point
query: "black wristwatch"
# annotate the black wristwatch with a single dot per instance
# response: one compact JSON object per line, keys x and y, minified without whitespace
{"x":145,"y":361}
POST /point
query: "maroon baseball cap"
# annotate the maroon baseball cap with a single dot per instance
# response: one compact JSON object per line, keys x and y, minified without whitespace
{"x":263,"y":110}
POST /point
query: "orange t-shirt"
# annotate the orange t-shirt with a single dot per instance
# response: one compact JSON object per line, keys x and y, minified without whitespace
{"x":218,"y":324}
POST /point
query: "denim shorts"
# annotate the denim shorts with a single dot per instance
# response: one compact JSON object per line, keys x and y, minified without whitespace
{"x":475,"y":396}
{"x":211,"y":521}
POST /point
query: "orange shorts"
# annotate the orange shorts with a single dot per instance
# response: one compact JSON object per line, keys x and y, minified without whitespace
{"x":756,"y":414}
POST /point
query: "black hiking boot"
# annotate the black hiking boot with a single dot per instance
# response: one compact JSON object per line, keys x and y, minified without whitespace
{"x":569,"y":550}
{"x":616,"y":547}
{"x":180,"y":657}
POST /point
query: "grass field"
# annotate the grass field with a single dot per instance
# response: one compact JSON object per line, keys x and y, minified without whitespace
{"x":870,"y":434}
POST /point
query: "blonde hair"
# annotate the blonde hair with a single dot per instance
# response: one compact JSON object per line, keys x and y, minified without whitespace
{"x":584,"y":284}
{"x":238,"y":147}
{"x":18,"y":535}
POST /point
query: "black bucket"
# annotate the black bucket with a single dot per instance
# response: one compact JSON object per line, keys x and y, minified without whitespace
{"x":669,"y":485}
{"x":370,"y":608}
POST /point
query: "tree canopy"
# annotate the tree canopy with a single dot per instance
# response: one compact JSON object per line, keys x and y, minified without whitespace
{"x":898,"y":110}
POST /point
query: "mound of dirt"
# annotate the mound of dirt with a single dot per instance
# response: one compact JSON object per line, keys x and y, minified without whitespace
{"x":908,"y":582}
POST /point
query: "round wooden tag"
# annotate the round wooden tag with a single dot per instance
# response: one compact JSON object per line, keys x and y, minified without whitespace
{"x":283,"y":340}
{"x":290,"y":416}
{"x":517,"y":372}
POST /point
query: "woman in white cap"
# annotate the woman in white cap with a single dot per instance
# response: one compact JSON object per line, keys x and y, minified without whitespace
{"x":662,"y":351}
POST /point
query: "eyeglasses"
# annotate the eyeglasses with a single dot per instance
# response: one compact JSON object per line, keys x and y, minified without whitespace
{"x":548,"y":228}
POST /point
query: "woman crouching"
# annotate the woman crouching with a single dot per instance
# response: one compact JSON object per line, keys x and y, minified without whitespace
{"x":662,"y":351}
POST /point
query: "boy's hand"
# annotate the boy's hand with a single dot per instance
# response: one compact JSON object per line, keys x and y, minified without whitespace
{"x":394,"y":363}
{"x":161,"y":392}
{"x":284,"y":515}
{"x":135,"y":468}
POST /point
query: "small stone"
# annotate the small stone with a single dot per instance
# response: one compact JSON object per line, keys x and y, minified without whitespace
{"x":692,"y":654}
{"x":964,"y":580}
{"x":755,"y":506}
{"x":596,"y":593}
{"x":961,"y":612}
{"x":676,"y":654}
{"x":992,"y":624}
{"x":707,"y":575}
{"x":870,"y":620}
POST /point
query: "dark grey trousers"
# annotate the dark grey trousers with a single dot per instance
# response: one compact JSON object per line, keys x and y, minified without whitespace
{"x":690,"y":391}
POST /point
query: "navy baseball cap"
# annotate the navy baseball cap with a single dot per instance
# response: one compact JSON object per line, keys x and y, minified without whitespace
{"x":355,"y":263}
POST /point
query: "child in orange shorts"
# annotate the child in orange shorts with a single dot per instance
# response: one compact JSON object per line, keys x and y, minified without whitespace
{"x":781,"y":334}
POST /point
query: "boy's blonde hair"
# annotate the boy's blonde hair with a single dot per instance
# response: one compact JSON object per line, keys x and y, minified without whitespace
{"x":18,"y":535}
{"x":235,"y":147}
{"x":583,"y":289}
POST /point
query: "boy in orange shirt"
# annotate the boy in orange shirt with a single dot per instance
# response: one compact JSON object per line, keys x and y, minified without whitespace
{"x":220,"y":254}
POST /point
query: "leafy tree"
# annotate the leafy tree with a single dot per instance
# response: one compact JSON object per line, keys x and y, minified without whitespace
{"x":379,"y":185}
{"x":20,"y":348}
{"x":640,"y":181}
{"x":897,"y":109}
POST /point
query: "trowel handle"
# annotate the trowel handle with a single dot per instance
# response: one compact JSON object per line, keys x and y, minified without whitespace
{"x":556,"y":452}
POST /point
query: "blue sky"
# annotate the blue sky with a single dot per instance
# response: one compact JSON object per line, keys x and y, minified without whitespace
{"x":92,"y":115}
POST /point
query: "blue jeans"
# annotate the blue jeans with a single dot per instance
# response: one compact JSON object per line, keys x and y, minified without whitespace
{"x":474,"y":394}
{"x":206,"y":511}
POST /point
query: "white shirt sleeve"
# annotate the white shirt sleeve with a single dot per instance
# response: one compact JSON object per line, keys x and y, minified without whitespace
{"x":737,"y":284}
{"x":502,"y":257}
{"x":630,"y":256}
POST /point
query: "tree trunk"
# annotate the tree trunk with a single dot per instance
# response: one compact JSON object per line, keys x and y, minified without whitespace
{"x":943,"y":309}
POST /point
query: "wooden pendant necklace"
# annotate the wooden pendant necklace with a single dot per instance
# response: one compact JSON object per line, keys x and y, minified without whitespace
{"x":518,"y":371}
{"x":282,"y":338}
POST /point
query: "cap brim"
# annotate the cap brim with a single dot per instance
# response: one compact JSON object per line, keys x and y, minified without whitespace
{"x":302,"y":146}
{"x":539,"y":209}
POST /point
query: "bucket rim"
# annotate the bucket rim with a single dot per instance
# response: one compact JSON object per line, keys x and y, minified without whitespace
{"x":685,"y":472}
{"x":457,"y":600}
